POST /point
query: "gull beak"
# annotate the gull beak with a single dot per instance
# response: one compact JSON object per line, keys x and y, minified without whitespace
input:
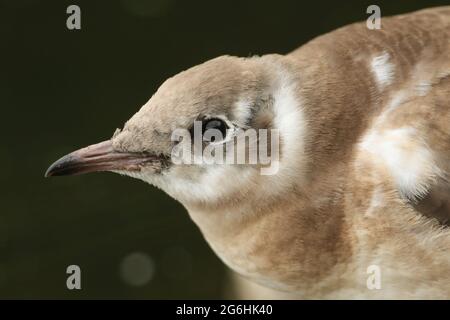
{"x":99,"y":157}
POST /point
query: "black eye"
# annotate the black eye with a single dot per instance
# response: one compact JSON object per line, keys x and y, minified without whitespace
{"x":218,"y":130}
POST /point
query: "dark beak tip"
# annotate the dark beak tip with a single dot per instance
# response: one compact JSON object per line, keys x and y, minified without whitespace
{"x":59,"y":167}
{"x":51,"y":171}
{"x":48,"y":172}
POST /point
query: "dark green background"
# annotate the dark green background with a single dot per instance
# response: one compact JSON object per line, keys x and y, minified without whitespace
{"x":61,"y":90}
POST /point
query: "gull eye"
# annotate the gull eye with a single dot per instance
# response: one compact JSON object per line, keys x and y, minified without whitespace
{"x":214,"y":130}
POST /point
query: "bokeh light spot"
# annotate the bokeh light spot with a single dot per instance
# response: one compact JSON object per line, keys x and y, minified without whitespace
{"x":137,"y":269}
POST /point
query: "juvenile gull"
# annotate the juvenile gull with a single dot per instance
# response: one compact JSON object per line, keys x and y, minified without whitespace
{"x":364,"y":155}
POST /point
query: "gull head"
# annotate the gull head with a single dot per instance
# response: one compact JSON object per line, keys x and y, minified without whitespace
{"x":207,"y":133}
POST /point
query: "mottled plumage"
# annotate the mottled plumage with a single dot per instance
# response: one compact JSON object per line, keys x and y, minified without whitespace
{"x":364,"y":120}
